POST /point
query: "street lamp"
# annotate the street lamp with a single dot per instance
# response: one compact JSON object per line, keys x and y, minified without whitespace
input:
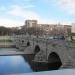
{"x":46,"y":48}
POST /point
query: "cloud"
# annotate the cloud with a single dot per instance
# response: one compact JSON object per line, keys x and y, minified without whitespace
{"x":28,"y":14}
{"x":10,"y":22}
{"x":17,"y":12}
{"x":23,"y":12}
{"x":22,"y":7}
{"x":66,"y":5}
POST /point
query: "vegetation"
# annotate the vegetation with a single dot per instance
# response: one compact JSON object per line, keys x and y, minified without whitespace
{"x":8,"y":31}
{"x":35,"y":31}
{"x":4,"y":31}
{"x":4,"y":40}
{"x":23,"y":30}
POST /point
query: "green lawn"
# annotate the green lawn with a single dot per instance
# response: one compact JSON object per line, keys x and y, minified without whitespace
{"x":7,"y":40}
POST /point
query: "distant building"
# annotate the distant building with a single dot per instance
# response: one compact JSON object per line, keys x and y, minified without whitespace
{"x":31,"y":23}
{"x":67,"y":29}
{"x":48,"y":29}
{"x":52,"y":29}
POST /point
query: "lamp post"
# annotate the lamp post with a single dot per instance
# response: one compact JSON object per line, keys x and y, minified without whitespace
{"x":46,"y":44}
{"x":46,"y":48}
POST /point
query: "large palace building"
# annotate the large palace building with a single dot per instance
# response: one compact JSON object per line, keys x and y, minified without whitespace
{"x":48,"y":29}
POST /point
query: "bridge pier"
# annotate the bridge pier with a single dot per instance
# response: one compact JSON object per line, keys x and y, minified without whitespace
{"x":35,"y":66}
{"x":40,"y":66}
{"x":29,"y":58}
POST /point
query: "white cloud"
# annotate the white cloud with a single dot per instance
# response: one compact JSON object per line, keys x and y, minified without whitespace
{"x":22,"y":12}
{"x":17,"y":11}
{"x":47,"y":21}
{"x":28,"y":14}
{"x":66,"y":5}
{"x":10,"y":23}
{"x":22,"y":7}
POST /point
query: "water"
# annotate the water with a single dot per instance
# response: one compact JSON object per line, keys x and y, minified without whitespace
{"x":13,"y":65}
{"x":7,"y":50}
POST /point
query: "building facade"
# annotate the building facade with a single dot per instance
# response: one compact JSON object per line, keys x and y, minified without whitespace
{"x":31,"y":23}
{"x":48,"y":29}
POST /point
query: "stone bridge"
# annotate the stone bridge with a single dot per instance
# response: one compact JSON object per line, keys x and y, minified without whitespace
{"x":54,"y":53}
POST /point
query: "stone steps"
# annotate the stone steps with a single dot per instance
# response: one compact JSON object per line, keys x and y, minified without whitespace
{"x":68,"y":64}
{"x":72,"y":55}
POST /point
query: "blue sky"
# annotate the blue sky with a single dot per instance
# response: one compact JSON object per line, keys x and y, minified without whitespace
{"x":15,"y":12}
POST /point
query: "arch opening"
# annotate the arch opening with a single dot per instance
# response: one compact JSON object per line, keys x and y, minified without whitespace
{"x":22,"y":41}
{"x":54,"y":61}
{"x":37,"y":49}
{"x":28,"y":43}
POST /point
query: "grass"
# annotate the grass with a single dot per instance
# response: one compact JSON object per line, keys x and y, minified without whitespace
{"x":7,"y":40}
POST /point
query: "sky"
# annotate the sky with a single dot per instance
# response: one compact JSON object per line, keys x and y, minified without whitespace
{"x":14,"y":12}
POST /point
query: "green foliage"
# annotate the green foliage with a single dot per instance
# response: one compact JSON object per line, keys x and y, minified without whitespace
{"x":4,"y":31}
{"x":7,"y":40}
{"x":68,"y":39}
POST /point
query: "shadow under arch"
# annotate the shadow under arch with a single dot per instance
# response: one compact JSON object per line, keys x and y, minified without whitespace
{"x":54,"y":61}
{"x":28,"y":43}
{"x":36,"y":49}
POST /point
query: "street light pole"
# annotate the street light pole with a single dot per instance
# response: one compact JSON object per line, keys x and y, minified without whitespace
{"x":46,"y":46}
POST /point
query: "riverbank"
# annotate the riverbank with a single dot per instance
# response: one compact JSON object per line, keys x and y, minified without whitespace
{"x":7,"y":42}
{"x":56,"y":72}
{"x":7,"y":46}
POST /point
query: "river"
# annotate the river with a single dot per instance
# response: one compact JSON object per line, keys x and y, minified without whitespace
{"x":13,"y":64}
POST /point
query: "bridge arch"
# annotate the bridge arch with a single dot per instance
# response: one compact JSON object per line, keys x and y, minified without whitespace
{"x":54,"y":61}
{"x":36,"y":49}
